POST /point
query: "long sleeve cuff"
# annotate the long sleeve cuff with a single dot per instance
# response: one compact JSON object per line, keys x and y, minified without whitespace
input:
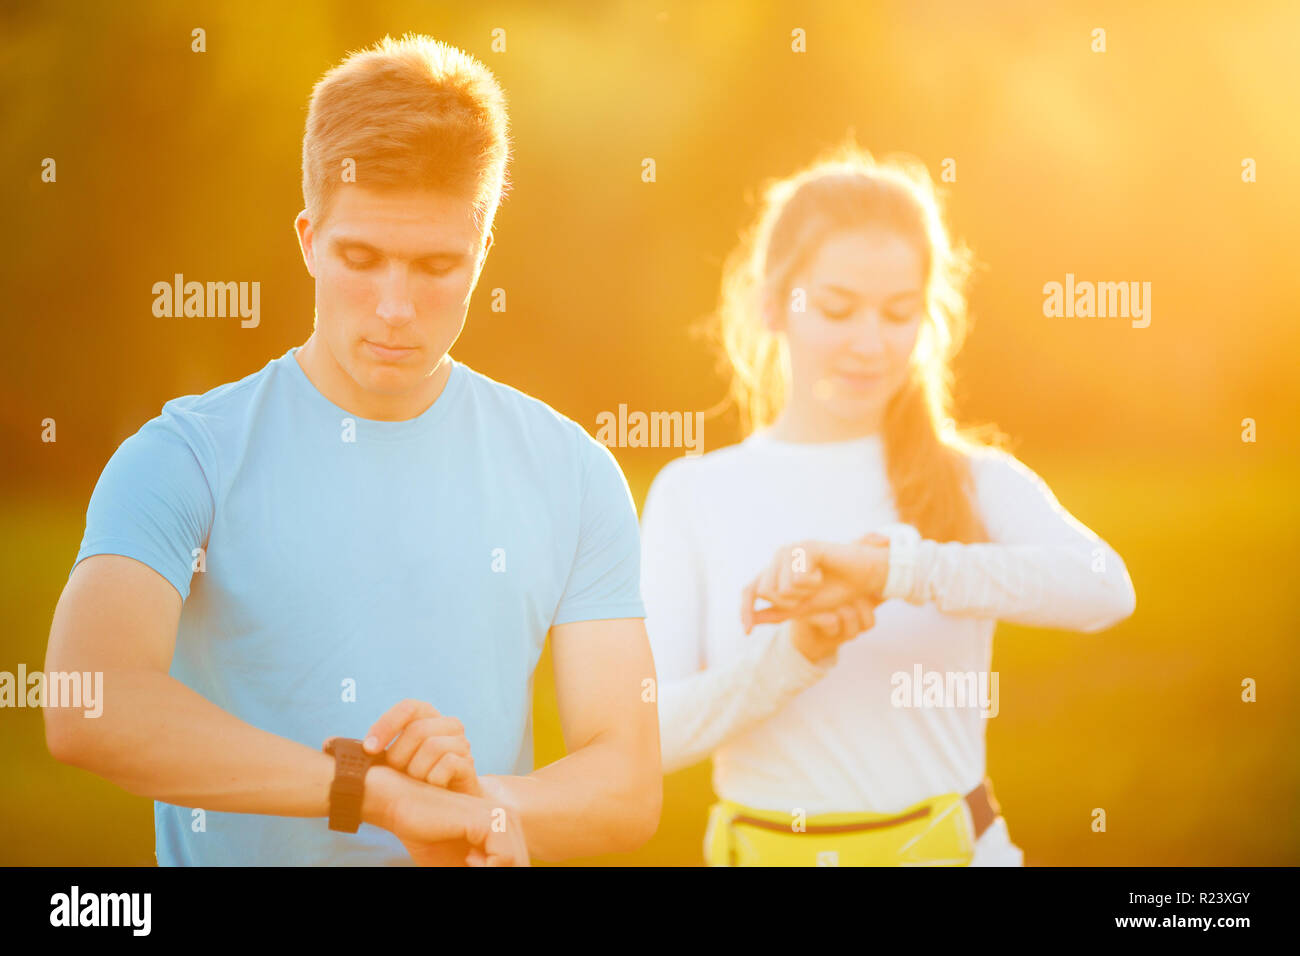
{"x":904,"y":557}
{"x":1083,"y":587}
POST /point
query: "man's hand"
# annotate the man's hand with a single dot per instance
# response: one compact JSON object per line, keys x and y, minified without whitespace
{"x":814,"y":577}
{"x":440,"y":828}
{"x":429,"y":746}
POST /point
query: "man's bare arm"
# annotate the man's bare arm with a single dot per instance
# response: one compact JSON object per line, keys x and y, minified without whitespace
{"x":158,"y":738}
{"x":606,"y":795}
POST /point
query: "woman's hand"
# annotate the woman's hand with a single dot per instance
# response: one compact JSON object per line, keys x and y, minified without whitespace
{"x":822,"y":634}
{"x":817,"y":576}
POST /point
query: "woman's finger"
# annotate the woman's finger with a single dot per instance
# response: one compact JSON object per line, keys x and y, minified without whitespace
{"x":850,"y":626}
{"x":767,"y":582}
{"x":808,"y":581}
{"x":862,"y":564}
{"x":866,"y":613}
{"x":827,"y":622}
{"x":747,"y":598}
{"x":784,"y":567}
{"x":769,"y":615}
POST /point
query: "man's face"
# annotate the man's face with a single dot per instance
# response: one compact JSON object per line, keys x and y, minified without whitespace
{"x":394,"y":272}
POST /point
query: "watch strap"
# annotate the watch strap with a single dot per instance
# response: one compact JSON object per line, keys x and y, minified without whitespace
{"x":347,"y":790}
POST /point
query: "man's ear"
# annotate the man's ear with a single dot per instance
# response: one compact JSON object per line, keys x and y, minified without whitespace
{"x":306,"y":241}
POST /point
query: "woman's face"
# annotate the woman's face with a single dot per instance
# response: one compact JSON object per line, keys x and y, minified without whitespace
{"x":851,"y":344}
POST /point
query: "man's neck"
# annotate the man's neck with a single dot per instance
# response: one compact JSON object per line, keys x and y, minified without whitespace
{"x":330,"y":379}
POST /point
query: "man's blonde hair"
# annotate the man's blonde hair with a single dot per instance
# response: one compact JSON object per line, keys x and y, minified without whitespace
{"x":412,"y":113}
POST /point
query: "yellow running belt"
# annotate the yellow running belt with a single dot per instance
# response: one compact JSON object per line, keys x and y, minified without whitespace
{"x":934,"y":832}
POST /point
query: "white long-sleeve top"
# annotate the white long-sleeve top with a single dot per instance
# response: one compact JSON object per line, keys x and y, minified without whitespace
{"x":785,"y":732}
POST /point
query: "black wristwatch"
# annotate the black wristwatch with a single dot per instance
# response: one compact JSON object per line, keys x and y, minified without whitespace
{"x":349,"y":785}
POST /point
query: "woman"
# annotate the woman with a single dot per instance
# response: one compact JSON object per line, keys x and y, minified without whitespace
{"x":840,"y":314}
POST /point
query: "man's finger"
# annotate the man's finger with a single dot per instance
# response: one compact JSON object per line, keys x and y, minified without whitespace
{"x":433,"y":749}
{"x":415,"y":733}
{"x":453,"y":771}
{"x":383,"y":730}
{"x":499,"y":847}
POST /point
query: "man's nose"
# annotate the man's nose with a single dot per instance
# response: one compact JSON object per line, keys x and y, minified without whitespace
{"x":395,"y":303}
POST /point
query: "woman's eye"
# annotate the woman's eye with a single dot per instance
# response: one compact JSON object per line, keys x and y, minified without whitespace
{"x":836,"y":313}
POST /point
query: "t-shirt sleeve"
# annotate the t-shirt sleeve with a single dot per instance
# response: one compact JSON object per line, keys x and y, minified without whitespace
{"x":153,"y":503}
{"x":605,"y":581}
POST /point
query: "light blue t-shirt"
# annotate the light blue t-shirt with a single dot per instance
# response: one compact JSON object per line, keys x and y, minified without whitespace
{"x":345,"y":557}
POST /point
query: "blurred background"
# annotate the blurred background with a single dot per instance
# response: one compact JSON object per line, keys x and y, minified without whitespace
{"x":1122,"y":165}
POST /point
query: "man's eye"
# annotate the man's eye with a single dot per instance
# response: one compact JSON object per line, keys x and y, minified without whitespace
{"x":435,"y":269}
{"x":363,"y":263}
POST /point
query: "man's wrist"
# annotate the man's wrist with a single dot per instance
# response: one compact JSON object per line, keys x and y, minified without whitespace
{"x":496,"y":791}
{"x":384,"y":788}
{"x":388,"y":789}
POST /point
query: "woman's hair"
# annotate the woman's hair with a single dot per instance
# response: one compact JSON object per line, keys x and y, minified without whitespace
{"x":927,"y":458}
{"x":412,"y":113}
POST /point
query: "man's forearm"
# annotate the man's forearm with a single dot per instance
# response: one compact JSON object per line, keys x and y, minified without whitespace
{"x":602,"y":798}
{"x":158,"y":738}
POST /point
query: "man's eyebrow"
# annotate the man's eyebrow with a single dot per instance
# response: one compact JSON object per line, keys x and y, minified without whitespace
{"x":344,"y":243}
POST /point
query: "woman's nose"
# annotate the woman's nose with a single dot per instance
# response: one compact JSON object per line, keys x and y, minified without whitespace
{"x":866,"y":337}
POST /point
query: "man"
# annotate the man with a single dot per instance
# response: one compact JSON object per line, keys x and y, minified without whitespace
{"x":368,"y":539}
